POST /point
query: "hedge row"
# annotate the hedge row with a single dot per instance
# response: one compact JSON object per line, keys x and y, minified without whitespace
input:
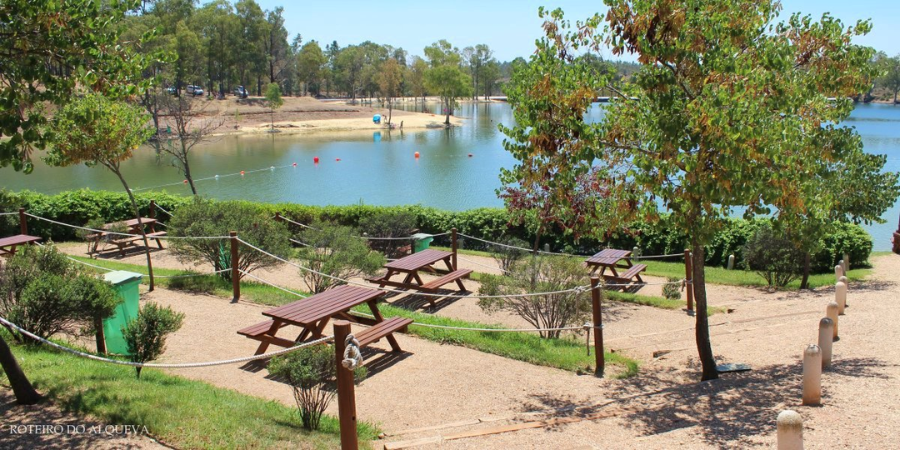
{"x":79,"y":207}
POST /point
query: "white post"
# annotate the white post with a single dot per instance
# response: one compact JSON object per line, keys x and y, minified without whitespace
{"x":812,"y":375}
{"x":840,"y":296}
{"x":832,"y":313}
{"x":790,"y":430}
{"x":826,"y":340}
{"x":730,"y":262}
{"x":838,"y":272}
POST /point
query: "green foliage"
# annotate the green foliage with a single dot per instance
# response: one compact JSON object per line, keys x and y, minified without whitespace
{"x":391,"y":224}
{"x":273,"y":96}
{"x":51,"y":48}
{"x":203,"y":217}
{"x":540,"y":274}
{"x":311,"y":373}
{"x":45,"y":293}
{"x":774,"y":256}
{"x":509,"y":252}
{"x":672,"y":291}
{"x":338,"y":253}
{"x":145,"y":336}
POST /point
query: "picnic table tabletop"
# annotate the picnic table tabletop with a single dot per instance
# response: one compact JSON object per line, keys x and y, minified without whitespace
{"x":608,"y":257}
{"x":18,"y":239}
{"x":418,"y":260}
{"x":313,"y":309}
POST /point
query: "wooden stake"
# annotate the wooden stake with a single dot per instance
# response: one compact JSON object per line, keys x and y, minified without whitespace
{"x":689,"y":277}
{"x":278,"y":217}
{"x":346,"y":389}
{"x":235,"y":271}
{"x":23,"y":223}
{"x":597,"y":310}
{"x":152,"y":209}
{"x":454,"y":246}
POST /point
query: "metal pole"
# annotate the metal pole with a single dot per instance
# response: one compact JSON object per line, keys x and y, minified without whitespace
{"x":235,"y":273}
{"x":689,"y":278}
{"x":23,"y":224}
{"x":346,"y":389}
{"x":598,"y":326}
{"x":454,"y":246}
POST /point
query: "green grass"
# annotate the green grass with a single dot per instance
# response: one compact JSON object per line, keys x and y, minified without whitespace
{"x":179,"y":412}
{"x":204,"y":284}
{"x":564,"y":353}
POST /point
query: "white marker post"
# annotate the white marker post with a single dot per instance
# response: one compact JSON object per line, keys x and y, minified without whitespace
{"x":840,"y":296}
{"x":790,"y":430}
{"x":812,"y":375}
{"x":838,"y":272}
{"x":832,"y":313}
{"x":826,"y":340}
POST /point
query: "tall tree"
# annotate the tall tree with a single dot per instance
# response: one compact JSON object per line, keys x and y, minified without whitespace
{"x":276,"y":45}
{"x":191,"y":127}
{"x":389,"y":79}
{"x":445,"y":76}
{"x":890,"y":76}
{"x":416,"y":79}
{"x":311,"y":65}
{"x":273,"y":100}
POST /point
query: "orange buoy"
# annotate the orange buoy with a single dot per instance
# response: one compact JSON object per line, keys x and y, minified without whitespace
{"x":185,"y":181}
{"x":316,"y":159}
{"x":417,"y":155}
{"x":242,"y":172}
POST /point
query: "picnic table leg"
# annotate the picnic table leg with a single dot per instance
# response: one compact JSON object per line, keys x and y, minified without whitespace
{"x":416,"y":276}
{"x":449,"y":264}
{"x":373,"y":306}
{"x":264,"y":345}
{"x":387,"y":276}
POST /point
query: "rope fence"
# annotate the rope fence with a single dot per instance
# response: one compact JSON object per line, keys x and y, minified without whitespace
{"x":222,"y":362}
{"x":56,"y":222}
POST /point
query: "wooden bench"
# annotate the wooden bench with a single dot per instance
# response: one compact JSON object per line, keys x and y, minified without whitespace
{"x":382,"y":329}
{"x":259,"y":332}
{"x":632,"y":272}
{"x":456,"y":275}
{"x":130,"y":240}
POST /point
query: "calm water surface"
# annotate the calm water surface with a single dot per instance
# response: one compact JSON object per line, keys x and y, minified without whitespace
{"x":379,"y":167}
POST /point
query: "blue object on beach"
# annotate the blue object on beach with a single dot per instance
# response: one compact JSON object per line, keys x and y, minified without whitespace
{"x":376,"y":118}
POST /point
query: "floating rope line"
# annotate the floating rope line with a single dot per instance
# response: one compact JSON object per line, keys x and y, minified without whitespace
{"x":164,"y":365}
{"x":216,"y":177}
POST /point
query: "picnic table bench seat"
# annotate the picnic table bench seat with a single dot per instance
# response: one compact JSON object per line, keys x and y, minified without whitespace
{"x":259,"y":332}
{"x":632,"y":272}
{"x":381,"y":329}
{"x":456,"y":275}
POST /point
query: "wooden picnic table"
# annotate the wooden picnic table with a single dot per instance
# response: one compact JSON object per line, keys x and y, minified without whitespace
{"x":313,"y":313}
{"x":613,"y":259}
{"x":121,"y":242}
{"x":9,"y":245}
{"x":425,"y":260}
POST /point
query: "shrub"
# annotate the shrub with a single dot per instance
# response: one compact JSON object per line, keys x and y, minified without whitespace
{"x":338,"y":253}
{"x":145,"y":336}
{"x":509,"y":253}
{"x":389,"y":225}
{"x":774,"y":256}
{"x":209,"y":218}
{"x":311,"y":373}
{"x":540,"y":274}
{"x":672,"y":291}
{"x":45,"y":293}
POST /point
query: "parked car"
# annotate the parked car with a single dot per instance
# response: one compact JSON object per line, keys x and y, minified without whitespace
{"x":171,"y":90}
{"x":240,"y":92}
{"x":194,"y":90}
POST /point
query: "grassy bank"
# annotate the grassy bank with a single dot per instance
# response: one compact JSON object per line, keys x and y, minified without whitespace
{"x":179,"y":412}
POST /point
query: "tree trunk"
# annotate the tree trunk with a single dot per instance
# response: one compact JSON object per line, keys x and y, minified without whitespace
{"x":187,"y":174}
{"x":704,"y":347}
{"x":25,"y":393}
{"x":101,"y":339}
{"x":804,"y":283}
{"x":137,"y":215}
{"x":390,"y":111}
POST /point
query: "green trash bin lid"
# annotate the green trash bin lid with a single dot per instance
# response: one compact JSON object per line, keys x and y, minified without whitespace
{"x":120,"y":277}
{"x":421,"y":236}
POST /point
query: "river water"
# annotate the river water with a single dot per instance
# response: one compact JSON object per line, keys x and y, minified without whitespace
{"x":457,"y":169}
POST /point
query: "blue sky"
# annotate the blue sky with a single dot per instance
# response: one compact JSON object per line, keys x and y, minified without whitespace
{"x":511,"y":26}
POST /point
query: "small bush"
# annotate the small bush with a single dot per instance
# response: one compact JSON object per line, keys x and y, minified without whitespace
{"x":540,"y":274}
{"x":311,"y":373}
{"x":337,"y":252}
{"x":145,"y":336}
{"x":389,"y":224}
{"x":774,"y":256}
{"x":507,"y":255}
{"x":672,"y":291}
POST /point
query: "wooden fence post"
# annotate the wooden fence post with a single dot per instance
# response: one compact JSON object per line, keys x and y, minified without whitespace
{"x":23,"y":223}
{"x":152,"y":209}
{"x":345,"y":389}
{"x":278,"y":217}
{"x":235,"y":271}
{"x":689,"y":278}
{"x":454,"y":246}
{"x":597,"y":310}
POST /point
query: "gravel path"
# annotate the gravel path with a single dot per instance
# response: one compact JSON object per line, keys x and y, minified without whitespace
{"x":450,"y":390}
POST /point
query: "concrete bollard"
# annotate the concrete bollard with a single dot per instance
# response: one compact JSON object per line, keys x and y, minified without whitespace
{"x":838,"y":272}
{"x":812,"y":375}
{"x":635,"y":253}
{"x":831,"y":313}
{"x":546,"y":248}
{"x":790,"y":430}
{"x":840,"y":296}
{"x":730,"y":262}
{"x":826,"y":340}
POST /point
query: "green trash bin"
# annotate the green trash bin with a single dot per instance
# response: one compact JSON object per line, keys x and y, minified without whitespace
{"x":126,"y":286}
{"x":422,"y":241}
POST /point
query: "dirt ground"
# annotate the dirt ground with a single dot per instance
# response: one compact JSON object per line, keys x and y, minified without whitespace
{"x":302,"y":115}
{"x":433,"y":395}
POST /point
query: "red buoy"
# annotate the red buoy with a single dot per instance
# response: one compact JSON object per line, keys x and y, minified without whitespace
{"x":470,"y":155}
{"x":242,"y":172}
{"x":417,"y":155}
{"x":185,"y":181}
{"x":316,"y":159}
{"x":295,"y":164}
{"x":337,"y":159}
